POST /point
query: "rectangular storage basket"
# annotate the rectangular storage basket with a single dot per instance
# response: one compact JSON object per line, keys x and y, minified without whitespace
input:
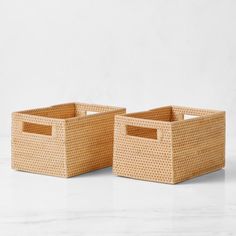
{"x":169,"y":144}
{"x":63,"y":140}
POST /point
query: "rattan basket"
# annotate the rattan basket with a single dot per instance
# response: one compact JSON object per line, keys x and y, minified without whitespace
{"x":169,"y":144}
{"x":64,"y":140}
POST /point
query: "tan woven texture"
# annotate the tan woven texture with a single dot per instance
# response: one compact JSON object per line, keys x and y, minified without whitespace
{"x":64,"y":140}
{"x":163,"y":145}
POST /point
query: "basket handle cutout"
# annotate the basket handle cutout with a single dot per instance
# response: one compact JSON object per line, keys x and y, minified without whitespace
{"x":91,"y":112}
{"x":34,"y":128}
{"x":183,"y":116}
{"x":188,"y":117}
{"x":143,"y":132}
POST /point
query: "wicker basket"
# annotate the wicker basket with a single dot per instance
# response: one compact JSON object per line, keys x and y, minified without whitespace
{"x":169,"y":144}
{"x":63,"y":140}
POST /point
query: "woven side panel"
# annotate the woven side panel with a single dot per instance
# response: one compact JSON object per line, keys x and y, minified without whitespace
{"x":198,"y":146}
{"x":192,"y":111}
{"x":89,"y":142}
{"x":63,"y":111}
{"x":143,"y":158}
{"x":163,"y":114}
{"x":37,"y":153}
{"x":94,"y":108}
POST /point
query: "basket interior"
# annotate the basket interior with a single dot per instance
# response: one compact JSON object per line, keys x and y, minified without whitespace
{"x":171,"y":114}
{"x":66,"y":111}
{"x":167,"y":114}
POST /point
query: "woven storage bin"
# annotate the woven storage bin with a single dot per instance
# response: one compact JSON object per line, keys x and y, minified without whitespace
{"x":163,"y":145}
{"x":63,"y":140}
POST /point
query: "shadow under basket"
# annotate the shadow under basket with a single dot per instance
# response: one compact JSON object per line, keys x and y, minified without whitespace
{"x":169,"y":144}
{"x":64,"y":140}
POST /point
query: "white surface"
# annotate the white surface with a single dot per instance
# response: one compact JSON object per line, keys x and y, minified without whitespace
{"x":99,"y":203}
{"x":140,"y":54}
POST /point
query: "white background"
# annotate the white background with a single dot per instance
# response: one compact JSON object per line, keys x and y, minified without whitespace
{"x":139,"y":54}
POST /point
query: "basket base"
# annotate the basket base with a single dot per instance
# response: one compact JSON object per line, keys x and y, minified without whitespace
{"x":195,"y":175}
